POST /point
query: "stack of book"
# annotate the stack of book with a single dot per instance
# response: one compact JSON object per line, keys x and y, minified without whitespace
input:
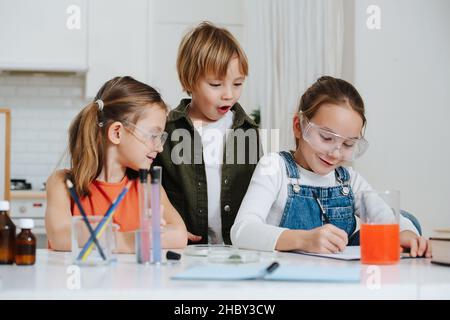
{"x":440,"y":245}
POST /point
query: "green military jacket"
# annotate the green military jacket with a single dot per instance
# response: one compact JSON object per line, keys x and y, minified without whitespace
{"x":184,"y":177}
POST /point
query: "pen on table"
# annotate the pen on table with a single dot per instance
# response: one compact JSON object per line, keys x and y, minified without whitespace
{"x":271,"y":268}
{"x":322,"y":209}
{"x":75,"y":198}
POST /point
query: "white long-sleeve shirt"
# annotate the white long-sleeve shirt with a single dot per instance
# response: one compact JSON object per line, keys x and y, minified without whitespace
{"x":213,"y":140}
{"x":257,"y":223}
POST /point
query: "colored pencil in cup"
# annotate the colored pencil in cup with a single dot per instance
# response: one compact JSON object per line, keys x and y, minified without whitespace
{"x":77,"y":201}
{"x":103,"y":223}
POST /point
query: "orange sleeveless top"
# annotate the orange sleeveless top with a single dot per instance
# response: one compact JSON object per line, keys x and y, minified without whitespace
{"x":103,"y":194}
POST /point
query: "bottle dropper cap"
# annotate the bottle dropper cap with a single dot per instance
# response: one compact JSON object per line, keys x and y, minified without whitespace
{"x":4,"y":205}
{"x":26,"y":224}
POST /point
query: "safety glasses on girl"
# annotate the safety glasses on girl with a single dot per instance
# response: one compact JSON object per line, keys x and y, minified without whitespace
{"x":325,"y":141}
{"x":156,"y":139}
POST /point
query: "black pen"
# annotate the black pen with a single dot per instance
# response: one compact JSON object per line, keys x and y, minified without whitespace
{"x":268,"y":270}
{"x":323,"y":213}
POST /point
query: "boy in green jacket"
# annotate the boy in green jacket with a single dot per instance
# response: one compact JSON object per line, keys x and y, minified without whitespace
{"x":213,"y":145}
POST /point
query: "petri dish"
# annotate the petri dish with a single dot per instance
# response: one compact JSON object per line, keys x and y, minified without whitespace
{"x":234,"y":256}
{"x":202,"y":250}
{"x":222,"y":253}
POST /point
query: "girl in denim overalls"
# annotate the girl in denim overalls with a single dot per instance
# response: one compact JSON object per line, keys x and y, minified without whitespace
{"x":305,"y":199}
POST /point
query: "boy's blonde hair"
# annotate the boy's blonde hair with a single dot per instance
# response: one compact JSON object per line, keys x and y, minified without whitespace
{"x":205,"y":50}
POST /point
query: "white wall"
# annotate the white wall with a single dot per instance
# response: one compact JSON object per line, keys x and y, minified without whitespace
{"x":348,"y":52}
{"x":403,"y":74}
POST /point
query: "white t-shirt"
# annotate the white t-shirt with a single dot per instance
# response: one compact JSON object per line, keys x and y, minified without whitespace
{"x":213,"y":140}
{"x":257,"y":223}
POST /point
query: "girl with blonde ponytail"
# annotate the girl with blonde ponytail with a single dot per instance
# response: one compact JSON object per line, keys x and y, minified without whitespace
{"x":113,"y":137}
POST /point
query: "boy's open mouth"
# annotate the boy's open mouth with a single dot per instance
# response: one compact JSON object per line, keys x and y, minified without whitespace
{"x":224,"y":109}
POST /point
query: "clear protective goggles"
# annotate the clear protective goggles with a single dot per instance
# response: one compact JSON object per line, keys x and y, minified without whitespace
{"x":327,"y":142}
{"x":155,"y":139}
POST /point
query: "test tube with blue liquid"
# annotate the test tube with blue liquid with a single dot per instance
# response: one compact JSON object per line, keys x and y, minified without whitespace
{"x":155,"y":174}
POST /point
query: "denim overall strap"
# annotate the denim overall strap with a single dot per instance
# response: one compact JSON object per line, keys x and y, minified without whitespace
{"x":343,"y":203}
{"x":343,"y":177}
{"x":292,"y":170}
{"x":302,"y":209}
{"x":298,"y":213}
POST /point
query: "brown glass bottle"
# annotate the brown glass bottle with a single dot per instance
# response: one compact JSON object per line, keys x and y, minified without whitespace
{"x":7,"y":235}
{"x":26,"y":244}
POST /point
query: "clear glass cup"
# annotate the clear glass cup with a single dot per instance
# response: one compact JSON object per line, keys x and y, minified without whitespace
{"x":90,"y":255}
{"x":380,"y":231}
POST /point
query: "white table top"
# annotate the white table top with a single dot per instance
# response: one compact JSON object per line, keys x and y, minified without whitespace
{"x":125,"y":279}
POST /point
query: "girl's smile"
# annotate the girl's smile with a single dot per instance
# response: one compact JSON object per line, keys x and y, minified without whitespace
{"x":340,"y":119}
{"x":151,"y":158}
{"x":327,"y":163}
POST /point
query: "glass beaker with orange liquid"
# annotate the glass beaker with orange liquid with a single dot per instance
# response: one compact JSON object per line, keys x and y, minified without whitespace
{"x":380,"y":231}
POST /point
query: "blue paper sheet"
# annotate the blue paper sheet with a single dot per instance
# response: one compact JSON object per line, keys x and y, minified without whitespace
{"x":283,"y":273}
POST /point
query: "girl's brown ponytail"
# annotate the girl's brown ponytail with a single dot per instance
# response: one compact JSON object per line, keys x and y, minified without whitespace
{"x":122,"y":99}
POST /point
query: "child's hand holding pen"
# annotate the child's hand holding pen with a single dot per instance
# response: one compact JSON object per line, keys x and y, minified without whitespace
{"x":325,"y":239}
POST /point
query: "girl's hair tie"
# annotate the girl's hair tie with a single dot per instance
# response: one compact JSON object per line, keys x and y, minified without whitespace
{"x":100,"y":104}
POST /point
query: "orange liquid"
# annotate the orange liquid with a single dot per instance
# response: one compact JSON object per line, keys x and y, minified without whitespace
{"x":380,"y":243}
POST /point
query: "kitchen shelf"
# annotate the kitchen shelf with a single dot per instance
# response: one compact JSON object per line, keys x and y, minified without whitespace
{"x":28,"y":194}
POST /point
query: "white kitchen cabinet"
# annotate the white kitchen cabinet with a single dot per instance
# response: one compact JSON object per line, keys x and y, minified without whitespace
{"x":46,"y":35}
{"x":117,"y":45}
